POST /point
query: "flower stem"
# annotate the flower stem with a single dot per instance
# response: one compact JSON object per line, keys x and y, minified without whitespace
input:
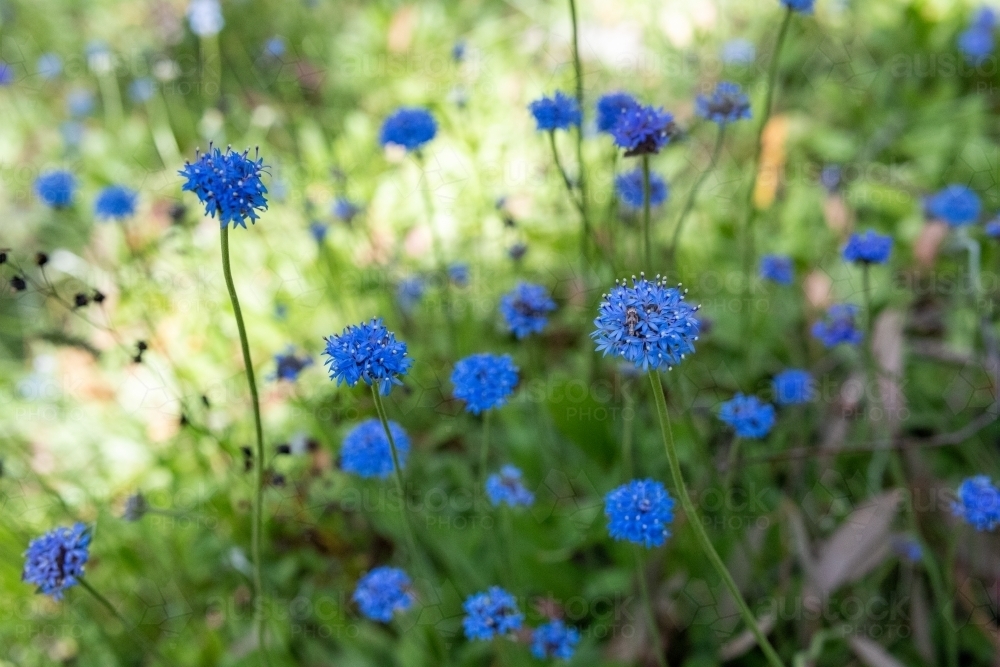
{"x":699,"y":529}
{"x":693,"y":193}
{"x":484,"y":450}
{"x":645,"y":212}
{"x":258,"y":459}
{"x":654,"y":631}
{"x":146,"y":644}
{"x":581,"y":171}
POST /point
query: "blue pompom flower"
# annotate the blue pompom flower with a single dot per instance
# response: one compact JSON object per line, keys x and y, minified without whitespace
{"x":801,"y":6}
{"x":868,"y":248}
{"x":956,"y":204}
{"x":555,"y":639}
{"x":382,"y":592}
{"x":526,"y":309}
{"x":978,"y":503}
{"x":839,"y":326}
{"x":629,"y":187}
{"x":649,"y":324}
{"x":409,"y":292}
{"x":748,"y":415}
{"x":610,"y":107}
{"x":366,"y":451}
{"x":727,"y":104}
{"x":643,"y":129}
{"x":409,"y":128}
{"x":55,"y":561}
{"x":639,"y":512}
{"x":508,"y":487}
{"x":228,"y":184}
{"x":369,"y":352}
{"x":490,"y":614}
{"x":56,"y":188}
{"x":289,"y":365}
{"x":559,"y":112}
{"x":484,"y":381}
{"x":115,"y":202}
{"x":777,"y":268}
{"x":793,"y":386}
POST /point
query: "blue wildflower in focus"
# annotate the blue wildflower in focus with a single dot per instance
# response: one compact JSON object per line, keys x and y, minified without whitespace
{"x":801,"y":6}
{"x":49,"y":65}
{"x":839,"y":326}
{"x":484,"y":381}
{"x":976,"y":42}
{"x":115,"y":202}
{"x":993,"y":228}
{"x":526,"y":309}
{"x":641,"y":130}
{"x":458,"y":273}
{"x":978,"y":503}
{"x":318,"y":231}
{"x":748,"y":415}
{"x":141,"y":90}
{"x":55,"y":561}
{"x":409,"y":128}
{"x":555,"y":639}
{"x":6,"y":74}
{"x":648,"y":324}
{"x":639,"y":512}
{"x":344,"y":210}
{"x":727,"y":104}
{"x":79,"y":102}
{"x":289,"y":365}
{"x":868,"y":248}
{"x":490,"y":614}
{"x":382,"y":592}
{"x":56,"y":188}
{"x":366,"y":451}
{"x":275,"y":47}
{"x":793,"y":386}
{"x":956,"y":204}
{"x":559,"y":112}
{"x":205,"y":17}
{"x":508,"y":487}
{"x":368,"y":352}
{"x":629,"y":187}
{"x":228,"y":184}
{"x":738,"y":52}
{"x":409,"y":292}
{"x":777,"y":268}
{"x":610,"y":107}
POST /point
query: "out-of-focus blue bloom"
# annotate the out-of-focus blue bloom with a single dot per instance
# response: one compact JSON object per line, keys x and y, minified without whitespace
{"x":205,"y":17}
{"x":99,"y":58}
{"x":458,"y":273}
{"x":559,"y":112}
{"x":49,"y":65}
{"x":508,"y":487}
{"x":639,"y":512}
{"x":490,"y":614}
{"x":630,"y":189}
{"x":748,"y":415}
{"x":610,"y":107}
{"x":649,"y":324}
{"x":344,"y":210}
{"x":141,"y":90}
{"x":458,"y":51}
{"x":517,"y":251}
{"x":228,"y":184}
{"x":115,"y":202}
{"x":6,"y":74}
{"x":409,"y":128}
{"x":79,"y":102}
{"x":289,"y":365}
{"x":368,"y":352}
{"x":56,"y":188}
{"x":802,"y":6}
{"x":868,"y":248}
{"x":275,"y":47}
{"x":956,"y":204}
{"x":318,"y":231}
{"x":793,"y":386}
{"x":738,"y":52}
{"x":484,"y":381}
{"x":382,"y":592}
{"x":727,"y":104}
{"x":72,"y":132}
{"x":367,"y":453}
{"x":978,"y":503}
{"x":642,"y":129}
{"x":830,"y":177}
{"x":55,"y":561}
{"x":976,"y":42}
{"x":839,"y":326}
{"x":409,"y":292}
{"x":777,"y":268}
{"x":526,"y":309}
{"x":993,"y":228}
{"x":554,"y":640}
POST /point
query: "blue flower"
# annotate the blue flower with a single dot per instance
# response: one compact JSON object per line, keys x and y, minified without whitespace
{"x":369,"y":352}
{"x":993,"y":228}
{"x":839,"y":326}
{"x":490,"y":614}
{"x":382,"y":592}
{"x":526,"y":309}
{"x":458,"y":51}
{"x":275,"y":47}
{"x":777,"y":268}
{"x":344,"y":210}
{"x":803,"y":6}
{"x":409,"y":128}
{"x":115,"y":202}
{"x":868,"y":248}
{"x":484,"y":381}
{"x":610,"y":107}
{"x":908,"y":548}
{"x":367,"y":453}
{"x":649,"y":324}
{"x":793,"y":386}
{"x":956,"y":204}
{"x":6,"y":74}
{"x":228,"y":184}
{"x":738,"y":52}
{"x":49,"y":65}
{"x":55,"y":561}
{"x":79,"y":102}
{"x":976,"y":44}
{"x":289,"y":365}
{"x":318,"y":231}
{"x":458,"y":273}
{"x":205,"y":17}
{"x":748,"y":415}
{"x":630,"y":189}
{"x":409,"y":292}
{"x":639,"y":512}
{"x":727,"y":104}
{"x":554,"y":640}
{"x":830,"y":177}
{"x":141,"y":90}
{"x":56,"y":188}
{"x":641,"y":130}
{"x":978,"y":503}
{"x":508,"y":487}
{"x":559,"y":112}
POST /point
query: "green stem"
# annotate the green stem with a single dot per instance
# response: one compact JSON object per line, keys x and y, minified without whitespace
{"x":693,"y":193}
{"x":562,"y":171}
{"x":654,"y":631}
{"x":112,"y":99}
{"x":734,"y":457}
{"x":628,"y":416}
{"x":211,"y":69}
{"x":645,"y":213}
{"x":484,"y":451}
{"x":146,"y":644}
{"x":699,"y":529}
{"x":581,"y":171}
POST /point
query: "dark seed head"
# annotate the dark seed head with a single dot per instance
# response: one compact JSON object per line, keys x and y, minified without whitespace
{"x":80,"y":300}
{"x":17,"y":282}
{"x":41,"y":259}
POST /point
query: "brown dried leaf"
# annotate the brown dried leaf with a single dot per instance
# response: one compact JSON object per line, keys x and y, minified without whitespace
{"x":871,"y":653}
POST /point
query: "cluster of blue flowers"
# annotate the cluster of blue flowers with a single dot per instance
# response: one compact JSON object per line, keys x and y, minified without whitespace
{"x":484,"y":381}
{"x":382,"y":593}
{"x":409,"y":128}
{"x":839,"y":326}
{"x":868,"y":248}
{"x":228,"y":184}
{"x":55,"y":561}
{"x":366,"y":451}
{"x":639,"y":512}
{"x":491,"y":614}
{"x":559,"y":112}
{"x":367,"y":352}
{"x":978,"y":503}
{"x":526,"y":309}
{"x":508,"y":487}
{"x":749,"y":416}
{"x":629,"y":187}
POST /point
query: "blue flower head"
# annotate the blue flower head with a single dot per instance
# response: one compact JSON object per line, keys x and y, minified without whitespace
{"x":79,"y":102}
{"x":559,"y":112}
{"x":649,"y":324}
{"x":976,"y":44}
{"x":993,"y":228}
{"x":409,"y":292}
{"x":458,"y":50}
{"x":777,"y":268}
{"x":956,"y":204}
{"x":508,"y":487}
{"x":344,"y":210}
{"x":318,"y":231}
{"x":205,"y":17}
{"x":641,"y":130}
{"x":830,"y":177}
{"x":369,"y":352}
{"x":289,"y":365}
{"x":639,"y":512}
{"x":382,"y":592}
{"x":141,"y":90}
{"x":275,"y":47}
{"x":748,"y":415}
{"x":56,"y":188}
{"x":490,"y":614}
{"x":366,"y":451}
{"x":49,"y":65}
{"x":555,"y":639}
{"x":55,"y":561}
{"x":610,"y":107}
{"x":727,"y":104}
{"x":793,"y":386}
{"x":409,"y":128}
{"x":738,"y":52}
{"x":228,"y":184}
{"x":978,"y":503}
{"x":484,"y":381}
{"x":984,"y":18}
{"x":839,"y":326}
{"x":458,"y":273}
{"x":630,"y":189}
{"x":868,"y":248}
{"x":526,"y":309}
{"x":115,"y":202}
{"x":801,"y":6}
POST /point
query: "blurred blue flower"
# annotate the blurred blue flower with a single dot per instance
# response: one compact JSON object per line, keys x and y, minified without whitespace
{"x":6,"y":74}
{"x":777,"y":268}
{"x":908,"y":548}
{"x":978,"y":503}
{"x":205,"y":17}
{"x":830,"y":177}
{"x":559,"y":112}
{"x":490,"y":614}
{"x":228,"y":184}
{"x":289,"y":365}
{"x":368,"y":352}
{"x":458,"y":273}
{"x":99,"y":57}
{"x":275,"y":47}
{"x":56,"y":188}
{"x":738,"y":52}
{"x":839,"y":326}
{"x":639,"y":512}
{"x":484,"y":381}
{"x":382,"y":592}
{"x":793,"y":386}
{"x":956,"y":204}
{"x":141,"y":90}
{"x":868,"y":248}
{"x":629,"y":187}
{"x":641,"y":130}
{"x":409,"y":292}
{"x":55,"y":561}
{"x":318,"y":231}
{"x":508,"y":487}
{"x":72,"y":133}
{"x":610,"y":107}
{"x":344,"y":210}
{"x":115,"y":202}
{"x":79,"y":102}
{"x":993,"y":228}
{"x":727,"y":104}
{"x":458,"y":51}
{"x":748,"y":415}
{"x":409,"y":128}
{"x":526,"y":309}
{"x":803,"y":6}
{"x":366,"y":451}
{"x":554,"y":640}
{"x":976,"y":42}
{"x":49,"y":65}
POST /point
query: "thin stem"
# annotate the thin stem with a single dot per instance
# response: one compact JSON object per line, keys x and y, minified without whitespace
{"x":112,"y":99}
{"x":645,"y":212}
{"x":148,"y":645}
{"x":628,"y":416}
{"x":696,"y":525}
{"x":734,"y":457}
{"x":693,"y":193}
{"x":484,"y":450}
{"x":654,"y":630}
{"x":258,"y":459}
{"x":211,"y":69}
{"x":562,"y":170}
{"x":581,"y":170}
{"x":411,"y":543}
